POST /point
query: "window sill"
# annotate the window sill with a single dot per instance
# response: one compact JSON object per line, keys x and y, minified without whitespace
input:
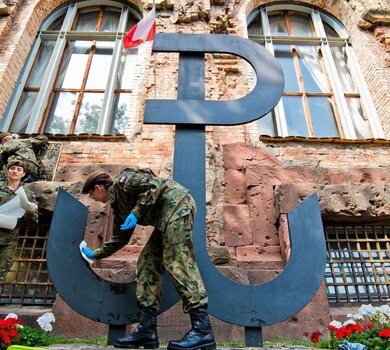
{"x":267,"y":138}
{"x":72,"y":137}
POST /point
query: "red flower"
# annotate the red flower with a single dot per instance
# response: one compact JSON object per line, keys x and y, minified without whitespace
{"x":384,"y":333}
{"x":315,"y":336}
{"x":332,"y":328}
{"x":343,"y":332}
{"x":368,"y":325}
{"x":8,"y":331}
{"x":357,"y":328}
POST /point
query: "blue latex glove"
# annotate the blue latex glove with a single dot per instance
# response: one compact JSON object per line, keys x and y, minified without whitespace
{"x":130,"y":222}
{"x":88,"y":252}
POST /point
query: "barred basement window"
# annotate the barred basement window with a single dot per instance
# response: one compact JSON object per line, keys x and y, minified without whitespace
{"x":28,"y":281}
{"x":358,"y":263}
{"x":325,"y":94}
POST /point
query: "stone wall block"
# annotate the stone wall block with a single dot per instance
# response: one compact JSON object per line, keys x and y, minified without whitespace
{"x":235,"y":192}
{"x":339,"y":200}
{"x":238,"y":156}
{"x":237,"y":225}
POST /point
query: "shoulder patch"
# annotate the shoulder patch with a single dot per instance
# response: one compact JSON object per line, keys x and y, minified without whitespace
{"x":122,"y":180}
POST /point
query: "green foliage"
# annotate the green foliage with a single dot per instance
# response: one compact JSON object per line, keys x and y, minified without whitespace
{"x":29,"y":336}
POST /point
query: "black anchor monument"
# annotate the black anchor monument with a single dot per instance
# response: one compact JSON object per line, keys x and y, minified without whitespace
{"x":251,"y":306}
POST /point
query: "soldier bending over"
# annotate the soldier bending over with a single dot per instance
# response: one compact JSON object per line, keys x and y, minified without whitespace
{"x":140,"y":197}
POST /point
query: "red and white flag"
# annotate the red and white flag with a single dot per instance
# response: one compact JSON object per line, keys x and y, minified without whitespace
{"x":143,"y":31}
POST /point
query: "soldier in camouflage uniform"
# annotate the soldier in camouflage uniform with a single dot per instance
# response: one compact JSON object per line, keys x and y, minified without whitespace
{"x":14,"y":148}
{"x":9,"y":238}
{"x":138,"y":196}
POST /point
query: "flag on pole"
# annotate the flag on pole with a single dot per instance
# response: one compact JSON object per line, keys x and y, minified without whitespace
{"x":143,"y":31}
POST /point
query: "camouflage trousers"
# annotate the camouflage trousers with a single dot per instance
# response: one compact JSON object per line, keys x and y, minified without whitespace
{"x":7,"y":253}
{"x":171,"y":251}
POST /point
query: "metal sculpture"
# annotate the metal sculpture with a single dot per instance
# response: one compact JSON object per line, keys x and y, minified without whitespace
{"x":84,"y":291}
{"x":252,"y":306}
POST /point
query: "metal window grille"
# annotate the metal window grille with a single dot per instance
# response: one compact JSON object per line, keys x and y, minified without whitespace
{"x":358,"y":266}
{"x":28,"y":281}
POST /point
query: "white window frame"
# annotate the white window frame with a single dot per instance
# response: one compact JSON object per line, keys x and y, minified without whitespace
{"x":54,"y":64}
{"x":318,"y":18}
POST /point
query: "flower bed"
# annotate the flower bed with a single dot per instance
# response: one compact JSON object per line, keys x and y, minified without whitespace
{"x":12,"y":332}
{"x":369,"y":327}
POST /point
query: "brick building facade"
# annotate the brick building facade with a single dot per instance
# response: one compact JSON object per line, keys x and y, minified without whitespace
{"x":255,"y":172}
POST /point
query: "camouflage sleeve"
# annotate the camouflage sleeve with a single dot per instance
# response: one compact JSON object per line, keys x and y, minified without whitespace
{"x":39,"y":141}
{"x":113,"y":245}
{"x":2,"y":163}
{"x":147,"y":188}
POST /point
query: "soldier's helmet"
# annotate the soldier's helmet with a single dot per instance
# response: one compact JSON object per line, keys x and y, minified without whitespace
{"x":17,"y":163}
{"x":91,"y":180}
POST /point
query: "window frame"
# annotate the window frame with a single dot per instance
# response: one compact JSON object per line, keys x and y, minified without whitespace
{"x":343,"y":116}
{"x":61,"y":38}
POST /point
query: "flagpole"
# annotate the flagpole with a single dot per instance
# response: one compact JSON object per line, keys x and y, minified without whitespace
{"x":154,"y":63}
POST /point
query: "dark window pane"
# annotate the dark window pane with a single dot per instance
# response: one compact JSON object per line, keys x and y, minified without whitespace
{"x":266,"y":125}
{"x":278,"y":25}
{"x":110,"y":21}
{"x":86,"y":22}
{"x":295,"y":116}
{"x":120,"y":113}
{"x":300,"y":25}
{"x":61,"y":113}
{"x":330,"y":32}
{"x":255,"y":27}
{"x":131,"y":21}
{"x":40,"y":64}
{"x":88,"y":119}
{"x":57,"y":24}
{"x":322,"y":116}
{"x":23,"y":113}
{"x":284,"y":56}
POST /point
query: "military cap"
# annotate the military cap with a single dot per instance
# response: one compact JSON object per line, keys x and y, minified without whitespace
{"x":4,"y":134}
{"x":89,"y":182}
{"x":17,"y":163}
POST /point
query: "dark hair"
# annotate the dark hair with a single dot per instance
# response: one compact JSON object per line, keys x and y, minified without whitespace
{"x":103,"y":179}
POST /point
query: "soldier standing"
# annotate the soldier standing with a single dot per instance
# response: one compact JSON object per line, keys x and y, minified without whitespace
{"x":140,"y":197}
{"x":14,"y":148}
{"x":16,"y":169}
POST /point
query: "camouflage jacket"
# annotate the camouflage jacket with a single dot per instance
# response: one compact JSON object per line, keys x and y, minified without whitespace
{"x":5,"y":195}
{"x":26,"y":150}
{"x":155,"y":201}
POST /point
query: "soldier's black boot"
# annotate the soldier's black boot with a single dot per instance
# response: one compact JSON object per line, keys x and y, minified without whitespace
{"x":200,"y":336}
{"x":144,"y":335}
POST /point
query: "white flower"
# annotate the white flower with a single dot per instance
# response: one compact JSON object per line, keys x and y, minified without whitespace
{"x":367,"y":310}
{"x":45,"y":321}
{"x":385,"y":309}
{"x":11,"y":315}
{"x":347,"y":322}
{"x":336,"y":324}
{"x":356,"y":316}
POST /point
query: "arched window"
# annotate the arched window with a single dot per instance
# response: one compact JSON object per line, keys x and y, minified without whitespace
{"x":77,"y":78}
{"x":324,"y":94}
